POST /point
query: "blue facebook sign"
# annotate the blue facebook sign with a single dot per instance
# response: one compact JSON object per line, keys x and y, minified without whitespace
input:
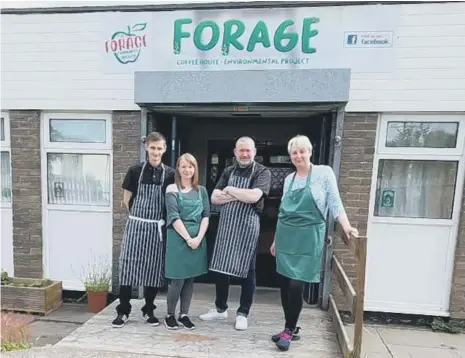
{"x":364,"y":39}
{"x":351,"y":39}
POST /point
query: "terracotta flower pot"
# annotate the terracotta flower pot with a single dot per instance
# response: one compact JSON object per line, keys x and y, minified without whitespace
{"x":96,"y":301}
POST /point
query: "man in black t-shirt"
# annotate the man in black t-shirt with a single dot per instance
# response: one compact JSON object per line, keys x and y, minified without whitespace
{"x":240,"y":192}
{"x":142,"y":259}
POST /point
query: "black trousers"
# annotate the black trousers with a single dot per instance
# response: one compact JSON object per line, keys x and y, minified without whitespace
{"x":291,"y":300}
{"x":248,"y":285}
{"x":125,"y":293}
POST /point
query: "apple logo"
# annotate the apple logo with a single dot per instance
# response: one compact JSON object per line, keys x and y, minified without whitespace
{"x":127,"y":45}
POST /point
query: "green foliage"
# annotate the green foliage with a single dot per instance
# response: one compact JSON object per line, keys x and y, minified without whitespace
{"x":97,"y":276}
{"x":451,"y":326}
{"x":10,"y":281}
{"x":8,"y":347}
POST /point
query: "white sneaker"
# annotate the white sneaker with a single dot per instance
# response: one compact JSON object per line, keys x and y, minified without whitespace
{"x":241,"y":323}
{"x":214,"y":315}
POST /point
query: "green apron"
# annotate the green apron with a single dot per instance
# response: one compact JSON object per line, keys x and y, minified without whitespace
{"x":300,"y":235}
{"x":182,"y":262}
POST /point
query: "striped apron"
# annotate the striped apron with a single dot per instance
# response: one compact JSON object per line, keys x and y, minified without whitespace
{"x":142,"y":258}
{"x":238,"y":231}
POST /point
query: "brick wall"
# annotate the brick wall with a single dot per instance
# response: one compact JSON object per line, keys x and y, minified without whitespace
{"x":27,"y":209}
{"x":358,"y":148}
{"x":126,"y":146}
{"x":457,"y":303}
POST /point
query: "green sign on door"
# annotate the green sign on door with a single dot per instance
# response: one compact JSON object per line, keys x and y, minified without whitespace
{"x":387,"y":198}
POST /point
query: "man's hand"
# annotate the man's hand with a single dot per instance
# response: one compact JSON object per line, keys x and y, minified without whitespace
{"x":229,"y":190}
{"x":248,"y":196}
{"x":220,"y":197}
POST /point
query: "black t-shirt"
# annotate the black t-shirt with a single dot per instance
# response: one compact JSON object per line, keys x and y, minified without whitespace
{"x":261,"y":179}
{"x":151,"y":175}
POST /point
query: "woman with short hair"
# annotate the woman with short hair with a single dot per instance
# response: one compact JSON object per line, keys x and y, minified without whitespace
{"x":188,"y":211}
{"x":308,"y":195}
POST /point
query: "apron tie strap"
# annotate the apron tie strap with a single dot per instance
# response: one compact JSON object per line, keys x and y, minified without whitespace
{"x":160,"y":224}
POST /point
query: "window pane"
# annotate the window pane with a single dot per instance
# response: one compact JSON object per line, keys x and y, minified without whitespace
{"x":2,"y":129}
{"x":415,"y":189}
{"x":78,"y":179}
{"x":6,"y":176}
{"x":280,"y":159}
{"x":422,"y":134}
{"x":78,"y":130}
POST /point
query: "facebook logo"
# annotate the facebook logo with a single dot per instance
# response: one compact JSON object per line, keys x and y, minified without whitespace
{"x":352,"y":39}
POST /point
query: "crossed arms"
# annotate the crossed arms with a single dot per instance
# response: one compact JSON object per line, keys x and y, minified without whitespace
{"x":229,"y":194}
{"x":224,"y":194}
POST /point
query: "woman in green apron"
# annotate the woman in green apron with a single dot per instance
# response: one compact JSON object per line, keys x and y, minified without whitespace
{"x":188,"y":212}
{"x":309,"y":194}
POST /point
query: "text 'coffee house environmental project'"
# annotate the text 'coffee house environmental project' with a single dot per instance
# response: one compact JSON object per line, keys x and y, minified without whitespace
{"x":378,"y":89}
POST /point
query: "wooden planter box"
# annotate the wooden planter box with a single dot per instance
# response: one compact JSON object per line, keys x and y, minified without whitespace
{"x":42,"y":300}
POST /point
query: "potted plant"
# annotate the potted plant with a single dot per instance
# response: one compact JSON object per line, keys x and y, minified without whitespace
{"x":97,"y":282}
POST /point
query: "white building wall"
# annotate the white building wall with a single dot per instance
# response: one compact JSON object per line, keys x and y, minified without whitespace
{"x":52,"y":62}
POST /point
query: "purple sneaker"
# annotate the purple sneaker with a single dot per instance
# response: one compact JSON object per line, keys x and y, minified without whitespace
{"x":285,"y":339}
{"x":295,"y":335}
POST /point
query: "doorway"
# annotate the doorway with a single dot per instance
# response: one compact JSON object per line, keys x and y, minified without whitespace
{"x":211,"y":139}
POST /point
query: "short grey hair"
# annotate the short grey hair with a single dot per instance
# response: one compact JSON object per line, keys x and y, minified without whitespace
{"x":300,"y":141}
{"x":245,"y":140}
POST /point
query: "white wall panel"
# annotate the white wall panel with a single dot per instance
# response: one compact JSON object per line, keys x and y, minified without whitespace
{"x":53,"y":62}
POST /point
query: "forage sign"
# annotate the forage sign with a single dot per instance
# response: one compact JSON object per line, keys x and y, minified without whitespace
{"x":126,"y":45}
{"x":233,"y":42}
{"x":233,"y":34}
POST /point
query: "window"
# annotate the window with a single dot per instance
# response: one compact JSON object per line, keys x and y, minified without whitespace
{"x":415,"y":188}
{"x":78,"y":179}
{"x":2,"y":129}
{"x":6,"y":176}
{"x":420,"y":166}
{"x":83,"y":131}
{"x":422,"y":134}
{"x":78,"y":160}
{"x":5,"y":159}
{"x":77,"y":130}
{"x":416,"y":134}
{"x":280,"y":159}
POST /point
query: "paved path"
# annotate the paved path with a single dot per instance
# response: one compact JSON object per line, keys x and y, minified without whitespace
{"x":96,"y":338}
{"x":210,"y":339}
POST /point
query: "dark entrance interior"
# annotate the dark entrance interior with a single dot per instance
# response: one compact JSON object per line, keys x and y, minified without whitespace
{"x":211,"y":138}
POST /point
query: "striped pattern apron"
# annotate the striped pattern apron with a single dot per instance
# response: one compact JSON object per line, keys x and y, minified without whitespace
{"x":142,"y":258}
{"x":238,"y":231}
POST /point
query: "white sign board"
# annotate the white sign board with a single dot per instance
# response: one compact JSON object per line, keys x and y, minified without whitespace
{"x":358,"y":37}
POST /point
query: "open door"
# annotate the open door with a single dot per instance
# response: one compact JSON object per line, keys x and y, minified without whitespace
{"x":332,"y":268}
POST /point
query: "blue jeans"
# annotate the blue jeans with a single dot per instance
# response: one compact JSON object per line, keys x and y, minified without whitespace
{"x":248,"y":285}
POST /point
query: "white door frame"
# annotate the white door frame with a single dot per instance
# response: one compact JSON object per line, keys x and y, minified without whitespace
{"x":442,"y":154}
{"x":69,"y":148}
{"x":7,"y":206}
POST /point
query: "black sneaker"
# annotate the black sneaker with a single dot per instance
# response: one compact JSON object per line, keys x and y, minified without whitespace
{"x":170,"y":322}
{"x":295,"y":336}
{"x":150,"y":319}
{"x":186,"y":322}
{"x":120,"y":320}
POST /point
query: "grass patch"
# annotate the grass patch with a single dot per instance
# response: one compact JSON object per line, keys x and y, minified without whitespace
{"x":8,"y":347}
{"x":15,"y":332}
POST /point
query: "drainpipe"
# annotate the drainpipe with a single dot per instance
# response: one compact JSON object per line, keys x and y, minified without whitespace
{"x":142,"y":158}
{"x":173,"y":141}
{"x":143,"y":133}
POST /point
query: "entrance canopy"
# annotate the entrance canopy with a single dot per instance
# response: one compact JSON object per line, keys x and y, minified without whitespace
{"x":268,"y":91}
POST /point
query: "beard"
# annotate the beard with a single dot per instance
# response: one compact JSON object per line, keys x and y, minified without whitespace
{"x":244,"y":163}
